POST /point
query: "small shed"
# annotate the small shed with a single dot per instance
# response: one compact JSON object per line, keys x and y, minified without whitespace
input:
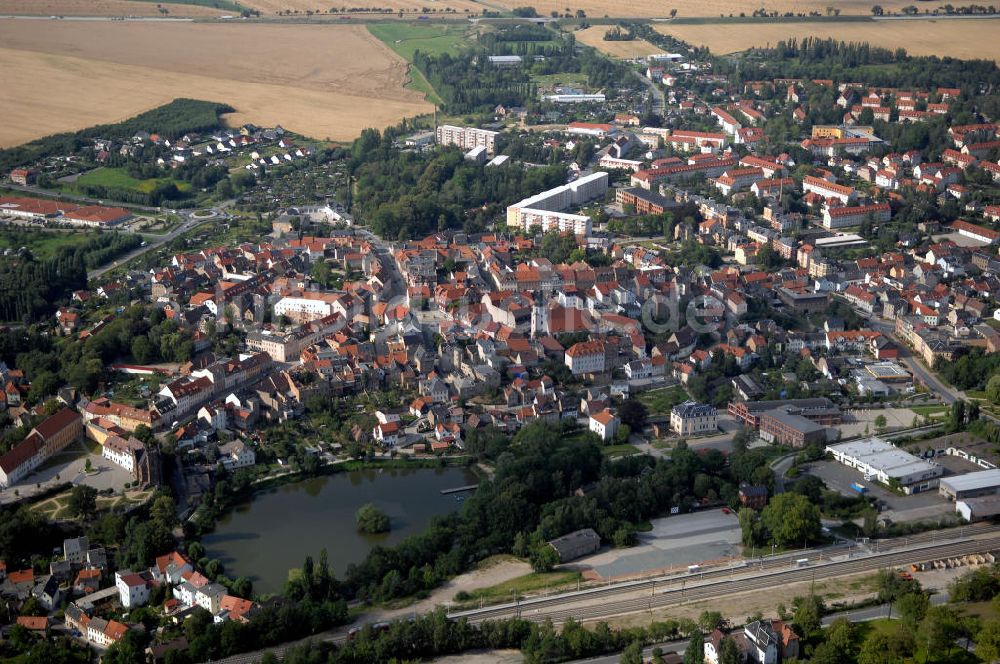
{"x":576,"y":544}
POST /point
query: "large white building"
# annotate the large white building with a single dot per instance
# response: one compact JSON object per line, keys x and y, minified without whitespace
{"x":310,"y":306}
{"x":133,"y":589}
{"x":585,"y":357}
{"x":546,"y":210}
{"x":880,"y":460}
{"x":467,"y":137}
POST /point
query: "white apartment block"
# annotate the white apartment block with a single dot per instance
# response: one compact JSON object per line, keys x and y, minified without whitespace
{"x":537,"y":210}
{"x":309,"y":306}
{"x":466,"y":137}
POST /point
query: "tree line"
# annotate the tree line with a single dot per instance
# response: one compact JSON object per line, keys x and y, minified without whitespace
{"x":171,"y":120}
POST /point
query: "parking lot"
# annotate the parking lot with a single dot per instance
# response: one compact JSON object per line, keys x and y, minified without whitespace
{"x":919,"y":506}
{"x":674,"y":543}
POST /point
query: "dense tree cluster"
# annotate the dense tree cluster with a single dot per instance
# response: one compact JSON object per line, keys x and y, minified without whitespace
{"x":814,"y":57}
{"x":405,"y":194}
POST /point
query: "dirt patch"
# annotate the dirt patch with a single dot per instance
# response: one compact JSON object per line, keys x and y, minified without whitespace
{"x":322,"y":81}
{"x":955,"y":37}
{"x":102,"y":8}
{"x":491,"y":573}
{"x":594,"y":36}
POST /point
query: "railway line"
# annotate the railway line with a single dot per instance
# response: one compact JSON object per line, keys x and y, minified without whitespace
{"x":657,"y":593}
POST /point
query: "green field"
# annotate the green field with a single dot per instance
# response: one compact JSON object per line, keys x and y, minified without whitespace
{"x":660,"y":402}
{"x":407,"y":38}
{"x":43,"y":245}
{"x":118,"y":178}
{"x":616,"y":451}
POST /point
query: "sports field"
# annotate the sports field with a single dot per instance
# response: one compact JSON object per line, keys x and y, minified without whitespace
{"x":976,"y":38}
{"x":594,"y":36}
{"x":324,"y":81}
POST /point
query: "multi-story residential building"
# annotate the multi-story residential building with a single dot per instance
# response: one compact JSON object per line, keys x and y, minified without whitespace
{"x":236,"y":454}
{"x":738,"y":179}
{"x":855,"y":215}
{"x":466,"y":137}
{"x":604,"y":424}
{"x":133,"y":589}
{"x":545,"y":210}
{"x":826,"y":189}
{"x":691,"y":418}
{"x":586,"y":357}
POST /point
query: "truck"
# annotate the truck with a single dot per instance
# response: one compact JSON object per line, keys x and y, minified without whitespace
{"x":859,"y":488}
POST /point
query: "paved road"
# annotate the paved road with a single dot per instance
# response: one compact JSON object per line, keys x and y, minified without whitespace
{"x":154,"y":241}
{"x":659,"y":106}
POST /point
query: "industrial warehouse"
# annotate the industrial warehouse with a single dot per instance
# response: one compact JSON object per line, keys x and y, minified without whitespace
{"x":880,"y":460}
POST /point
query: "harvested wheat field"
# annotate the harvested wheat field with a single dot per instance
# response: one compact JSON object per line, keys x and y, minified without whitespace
{"x":594,"y":36}
{"x":690,"y":8}
{"x":968,"y":39}
{"x":270,"y":7}
{"x":102,"y":8}
{"x":322,"y":81}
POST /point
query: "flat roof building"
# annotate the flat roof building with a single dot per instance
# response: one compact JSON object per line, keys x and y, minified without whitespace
{"x":786,"y":426}
{"x":882,"y":461}
{"x":971,"y":485}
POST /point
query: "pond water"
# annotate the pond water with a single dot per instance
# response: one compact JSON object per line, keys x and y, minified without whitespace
{"x":275,"y":530}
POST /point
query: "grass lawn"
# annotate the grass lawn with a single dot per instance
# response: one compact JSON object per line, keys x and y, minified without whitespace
{"x":407,"y":38}
{"x":933,"y":413}
{"x":975,"y":394}
{"x":659,"y":402}
{"x":525,"y":584}
{"x":118,"y":178}
{"x":619,"y":450}
{"x":43,"y":245}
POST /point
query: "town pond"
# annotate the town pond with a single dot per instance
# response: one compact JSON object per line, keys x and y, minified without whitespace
{"x":275,"y":530}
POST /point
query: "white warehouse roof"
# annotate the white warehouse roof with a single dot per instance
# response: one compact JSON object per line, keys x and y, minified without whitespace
{"x":884,"y":457}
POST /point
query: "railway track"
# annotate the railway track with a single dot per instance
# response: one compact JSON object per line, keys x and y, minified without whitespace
{"x":602,"y":603}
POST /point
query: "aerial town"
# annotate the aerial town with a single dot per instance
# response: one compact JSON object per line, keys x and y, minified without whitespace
{"x":667,"y":344}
